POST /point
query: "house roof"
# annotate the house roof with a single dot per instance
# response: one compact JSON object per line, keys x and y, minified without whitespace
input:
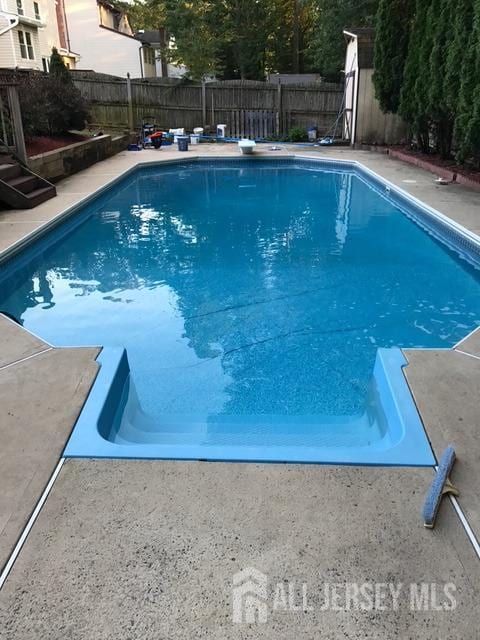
{"x":365,"y":37}
{"x":112,"y":6}
{"x":149,"y":37}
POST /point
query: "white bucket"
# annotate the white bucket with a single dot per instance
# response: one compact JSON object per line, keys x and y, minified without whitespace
{"x":194,"y":139}
{"x":221,"y":130}
{"x":198,"y":131}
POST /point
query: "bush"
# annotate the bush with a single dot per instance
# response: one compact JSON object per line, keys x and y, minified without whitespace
{"x":50,"y":103}
{"x":297,"y":134}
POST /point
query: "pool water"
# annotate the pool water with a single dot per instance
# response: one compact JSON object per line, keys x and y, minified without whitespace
{"x":251,"y":299}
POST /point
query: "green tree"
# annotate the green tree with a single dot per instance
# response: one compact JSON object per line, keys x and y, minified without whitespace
{"x":289,"y":34}
{"x":392,"y":33}
{"x":244,"y":26}
{"x":458,"y":51}
{"x":467,"y":115}
{"x":145,"y":14}
{"x":412,"y":105}
{"x":249,"y":38}
{"x":440,"y":112}
{"x":196,"y":45}
{"x":57,"y":67}
{"x":51,"y":104}
{"x":327,"y":45}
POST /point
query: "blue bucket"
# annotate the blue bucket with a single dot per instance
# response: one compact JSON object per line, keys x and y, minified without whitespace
{"x":182,"y":142}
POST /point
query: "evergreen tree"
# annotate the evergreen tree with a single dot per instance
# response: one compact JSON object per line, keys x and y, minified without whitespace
{"x":411,"y":107}
{"x":457,"y":52}
{"x":467,"y":126}
{"x":58,"y":67}
{"x":51,"y":104}
{"x":422,"y":120}
{"x":439,"y":111}
{"x":392,"y":33}
{"x":465,"y":99}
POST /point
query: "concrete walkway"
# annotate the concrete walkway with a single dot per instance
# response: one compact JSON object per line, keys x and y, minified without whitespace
{"x":139,"y":549}
{"x":148,"y":549}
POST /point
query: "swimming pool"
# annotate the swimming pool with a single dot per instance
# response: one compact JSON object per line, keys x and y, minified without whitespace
{"x":261,"y":304}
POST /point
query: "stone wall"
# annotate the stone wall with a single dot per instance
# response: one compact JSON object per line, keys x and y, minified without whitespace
{"x":60,"y":163}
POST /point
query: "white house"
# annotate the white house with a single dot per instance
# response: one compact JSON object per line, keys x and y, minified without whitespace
{"x":101,"y":34}
{"x":159,"y":40}
{"x":28,"y":31}
{"x":364,"y":121}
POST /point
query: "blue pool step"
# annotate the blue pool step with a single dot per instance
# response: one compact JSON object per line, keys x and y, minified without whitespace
{"x":266,"y":430}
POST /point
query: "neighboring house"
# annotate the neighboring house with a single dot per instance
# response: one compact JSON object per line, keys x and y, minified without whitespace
{"x":364,"y":121}
{"x":101,"y":33}
{"x":158,"y":41}
{"x":28,"y":31}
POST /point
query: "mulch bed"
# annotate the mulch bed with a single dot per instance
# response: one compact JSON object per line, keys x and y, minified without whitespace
{"x":42,"y":144}
{"x":445,"y":168}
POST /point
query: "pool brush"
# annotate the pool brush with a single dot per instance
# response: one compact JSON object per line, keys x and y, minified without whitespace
{"x":440,"y":486}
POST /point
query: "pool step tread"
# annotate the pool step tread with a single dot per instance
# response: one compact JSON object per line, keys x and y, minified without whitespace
{"x":349,"y":434}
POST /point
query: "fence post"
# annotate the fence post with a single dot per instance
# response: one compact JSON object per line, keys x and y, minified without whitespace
{"x":16,"y":114}
{"x":278,"y":120}
{"x":130,"y":105}
{"x":204,"y":105}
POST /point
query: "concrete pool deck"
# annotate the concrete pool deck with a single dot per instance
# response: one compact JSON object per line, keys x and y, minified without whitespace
{"x":144,"y":549}
{"x":42,"y":391}
{"x":148,"y":549}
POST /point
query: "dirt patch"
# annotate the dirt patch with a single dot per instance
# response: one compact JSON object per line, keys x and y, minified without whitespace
{"x":42,"y":144}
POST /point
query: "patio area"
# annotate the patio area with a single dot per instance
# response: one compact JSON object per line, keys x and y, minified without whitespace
{"x":150,"y":548}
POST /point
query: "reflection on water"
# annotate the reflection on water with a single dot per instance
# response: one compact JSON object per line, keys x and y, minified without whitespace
{"x":247,"y":291}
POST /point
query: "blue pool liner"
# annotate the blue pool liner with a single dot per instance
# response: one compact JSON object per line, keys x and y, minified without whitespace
{"x":465,"y":243}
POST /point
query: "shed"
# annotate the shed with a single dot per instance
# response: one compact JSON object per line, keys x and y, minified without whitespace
{"x":364,"y":121}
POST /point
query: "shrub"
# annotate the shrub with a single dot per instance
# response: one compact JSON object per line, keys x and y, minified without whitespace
{"x":297,"y":134}
{"x":51,"y":104}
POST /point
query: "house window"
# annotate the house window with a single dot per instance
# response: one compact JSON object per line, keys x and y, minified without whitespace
{"x":36,"y":10}
{"x":46,"y":65}
{"x":20,"y":7}
{"x":26,"y":47}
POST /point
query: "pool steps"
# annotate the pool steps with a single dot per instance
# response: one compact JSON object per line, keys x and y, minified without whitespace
{"x":110,"y":402}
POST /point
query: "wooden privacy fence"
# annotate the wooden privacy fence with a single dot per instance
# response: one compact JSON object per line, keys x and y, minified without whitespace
{"x":252,"y":124}
{"x":250,"y":109}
